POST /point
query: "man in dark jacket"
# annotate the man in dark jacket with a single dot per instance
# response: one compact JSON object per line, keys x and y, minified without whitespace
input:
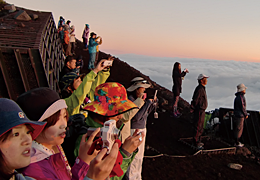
{"x":199,"y":104}
{"x":69,"y":66}
{"x":239,"y":113}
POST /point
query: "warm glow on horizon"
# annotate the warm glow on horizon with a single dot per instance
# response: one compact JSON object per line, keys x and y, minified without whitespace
{"x":220,"y":30}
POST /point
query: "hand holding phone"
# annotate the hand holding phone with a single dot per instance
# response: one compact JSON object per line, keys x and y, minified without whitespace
{"x":108,"y":63}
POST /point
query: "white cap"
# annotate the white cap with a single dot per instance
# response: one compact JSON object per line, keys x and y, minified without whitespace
{"x":201,"y":76}
{"x":241,"y":87}
{"x":138,"y":82}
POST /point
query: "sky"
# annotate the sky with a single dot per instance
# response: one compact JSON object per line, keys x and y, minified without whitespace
{"x":218,"y":38}
{"x":205,"y":29}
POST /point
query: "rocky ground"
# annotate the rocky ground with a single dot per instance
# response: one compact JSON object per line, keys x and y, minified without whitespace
{"x":168,"y":158}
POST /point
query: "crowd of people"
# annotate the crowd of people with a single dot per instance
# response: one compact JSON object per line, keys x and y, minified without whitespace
{"x":199,"y":104}
{"x":33,"y":129}
{"x":33,"y":142}
{"x":68,"y":40}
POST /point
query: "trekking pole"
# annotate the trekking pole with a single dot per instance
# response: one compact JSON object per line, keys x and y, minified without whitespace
{"x":231,"y":122}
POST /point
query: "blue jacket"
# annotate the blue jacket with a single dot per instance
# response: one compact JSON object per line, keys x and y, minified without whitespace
{"x":92,"y":45}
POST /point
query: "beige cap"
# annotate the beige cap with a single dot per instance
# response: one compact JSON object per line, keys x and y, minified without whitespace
{"x":138,"y":82}
{"x":241,"y":87}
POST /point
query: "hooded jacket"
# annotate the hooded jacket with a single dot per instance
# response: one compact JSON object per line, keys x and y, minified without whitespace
{"x":240,"y":105}
{"x":92,"y":45}
{"x":47,"y":166}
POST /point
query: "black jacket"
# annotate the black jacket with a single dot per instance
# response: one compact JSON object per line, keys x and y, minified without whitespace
{"x":64,"y":71}
{"x":199,"y":98}
{"x":177,"y":82}
{"x":240,"y":105}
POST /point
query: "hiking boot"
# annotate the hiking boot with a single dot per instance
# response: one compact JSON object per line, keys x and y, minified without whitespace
{"x":239,"y":144}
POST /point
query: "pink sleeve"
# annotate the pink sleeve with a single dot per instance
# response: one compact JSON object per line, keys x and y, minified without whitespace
{"x":79,"y":170}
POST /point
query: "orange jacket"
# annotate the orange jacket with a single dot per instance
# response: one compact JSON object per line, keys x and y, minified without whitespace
{"x":66,"y":37}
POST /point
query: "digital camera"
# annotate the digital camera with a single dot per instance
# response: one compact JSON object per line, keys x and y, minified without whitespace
{"x":109,"y":133}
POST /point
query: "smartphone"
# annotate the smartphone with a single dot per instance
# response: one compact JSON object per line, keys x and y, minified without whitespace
{"x":108,"y":63}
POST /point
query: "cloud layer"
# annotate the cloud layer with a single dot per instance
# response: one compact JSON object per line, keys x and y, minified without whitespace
{"x":221,"y":87}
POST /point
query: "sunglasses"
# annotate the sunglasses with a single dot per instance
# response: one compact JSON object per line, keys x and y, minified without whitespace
{"x":140,"y":82}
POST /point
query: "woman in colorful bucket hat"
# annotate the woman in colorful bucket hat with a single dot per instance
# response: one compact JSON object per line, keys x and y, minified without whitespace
{"x":48,"y":160}
{"x":16,"y":135}
{"x":110,"y":102}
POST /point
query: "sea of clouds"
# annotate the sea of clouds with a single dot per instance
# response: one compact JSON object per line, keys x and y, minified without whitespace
{"x":221,"y":87}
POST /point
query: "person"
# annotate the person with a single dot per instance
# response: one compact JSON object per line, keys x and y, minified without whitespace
{"x":68,"y":23}
{"x":75,"y":94}
{"x":61,"y":34}
{"x":48,"y":160}
{"x":66,"y":43}
{"x":72,"y":39}
{"x":61,"y":22}
{"x":176,"y":89}
{"x":109,"y":104}
{"x":16,"y":135}
{"x":198,"y":106}
{"x":92,"y":49}
{"x":99,"y":41}
{"x":240,"y":113}
{"x":138,"y":122}
{"x":69,"y":66}
{"x":80,"y":62}
{"x":85,"y":36}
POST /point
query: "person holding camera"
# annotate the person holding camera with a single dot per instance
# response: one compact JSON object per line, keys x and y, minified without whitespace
{"x":138,"y":122}
{"x":198,"y":106}
{"x":177,"y":76}
{"x":109,"y":104}
{"x":75,"y":87}
{"x":92,"y":49}
{"x":240,"y":113}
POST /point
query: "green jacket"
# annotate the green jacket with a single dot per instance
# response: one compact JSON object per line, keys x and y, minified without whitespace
{"x":87,"y":87}
{"x":126,"y":160}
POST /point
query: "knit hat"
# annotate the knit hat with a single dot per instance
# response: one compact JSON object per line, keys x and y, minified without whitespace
{"x":201,"y":76}
{"x":138,"y":82}
{"x":87,"y":25}
{"x":12,"y":116}
{"x":110,"y":99}
{"x":40,"y":103}
{"x":241,"y":87}
{"x":67,"y":79}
